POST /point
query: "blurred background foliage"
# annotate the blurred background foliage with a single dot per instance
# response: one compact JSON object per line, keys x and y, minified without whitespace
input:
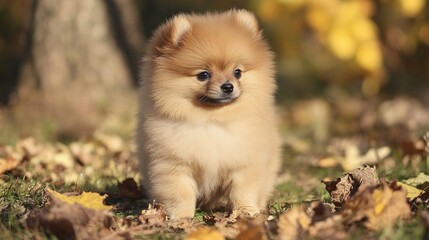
{"x":368,"y":47}
{"x":349,"y":55}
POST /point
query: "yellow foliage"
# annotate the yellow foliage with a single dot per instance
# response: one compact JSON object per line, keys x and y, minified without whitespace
{"x":341,"y":43}
{"x":348,"y":11}
{"x":87,"y":199}
{"x":368,"y":56}
{"x":269,"y":10}
{"x":363,"y":29}
{"x":293,"y":3}
{"x":319,"y":20}
{"x":412,"y":8}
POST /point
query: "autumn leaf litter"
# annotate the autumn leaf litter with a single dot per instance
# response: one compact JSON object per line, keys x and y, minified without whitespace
{"x":359,"y":198}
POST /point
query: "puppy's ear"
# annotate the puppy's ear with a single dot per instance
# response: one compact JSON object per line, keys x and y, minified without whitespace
{"x":168,"y":36}
{"x":179,"y":26}
{"x":247,"y":20}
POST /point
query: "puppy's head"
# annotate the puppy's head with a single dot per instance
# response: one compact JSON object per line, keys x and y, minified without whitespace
{"x":209,"y":64}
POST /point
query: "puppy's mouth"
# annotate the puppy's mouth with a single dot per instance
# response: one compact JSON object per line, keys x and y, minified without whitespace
{"x":215,"y":101}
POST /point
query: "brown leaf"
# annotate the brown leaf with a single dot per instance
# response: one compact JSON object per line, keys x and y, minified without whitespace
{"x":343,"y":188}
{"x":378,"y":206}
{"x":29,"y":146}
{"x":129,"y":189}
{"x":330,"y":228}
{"x":251,"y":232}
{"x":8,"y":163}
{"x":205,"y":233}
{"x":71,"y":221}
{"x":226,"y":223}
{"x":293,"y":224}
{"x":112,"y":143}
{"x":340,"y":189}
{"x":154,"y":216}
{"x":317,"y":221}
{"x":319,"y":211}
{"x":365,"y":177}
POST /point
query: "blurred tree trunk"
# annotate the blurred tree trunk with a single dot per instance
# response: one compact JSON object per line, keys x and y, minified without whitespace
{"x":83,"y":63}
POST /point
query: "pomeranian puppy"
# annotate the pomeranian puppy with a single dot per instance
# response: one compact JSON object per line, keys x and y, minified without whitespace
{"x":207,"y":125}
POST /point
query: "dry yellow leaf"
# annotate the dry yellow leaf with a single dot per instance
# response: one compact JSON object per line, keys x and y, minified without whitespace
{"x":412,"y":192}
{"x":87,"y":199}
{"x":205,"y":233}
{"x":422,"y":179}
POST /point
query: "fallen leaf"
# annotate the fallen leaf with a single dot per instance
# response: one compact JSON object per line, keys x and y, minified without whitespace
{"x":155,"y":215}
{"x":319,"y":211}
{"x":87,"y":199}
{"x":365,"y":177}
{"x":251,"y":231}
{"x":293,"y":224}
{"x":421,"y":181}
{"x":377,"y":206}
{"x":71,"y":221}
{"x":129,"y":189}
{"x":327,"y":162}
{"x":412,"y":192}
{"x":350,"y":153}
{"x":8,"y":163}
{"x":225,"y":223}
{"x":87,"y":152}
{"x":30,"y":147}
{"x":353,"y":158}
{"x":205,"y":233}
{"x":330,"y":228}
{"x":112,"y":143}
{"x":421,"y":201}
{"x":317,"y":221}
{"x":341,"y":189}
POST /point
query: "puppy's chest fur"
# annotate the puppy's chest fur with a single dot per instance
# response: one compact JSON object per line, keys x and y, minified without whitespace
{"x":212,"y":151}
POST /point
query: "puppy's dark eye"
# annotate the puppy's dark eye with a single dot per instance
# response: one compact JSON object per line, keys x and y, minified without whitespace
{"x":202,"y":76}
{"x":237,"y":73}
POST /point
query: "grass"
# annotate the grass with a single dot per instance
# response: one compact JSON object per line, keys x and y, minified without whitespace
{"x":21,"y":195}
{"x":17,"y":198}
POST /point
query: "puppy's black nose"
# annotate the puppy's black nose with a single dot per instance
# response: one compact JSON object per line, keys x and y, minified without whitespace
{"x":227,"y":87}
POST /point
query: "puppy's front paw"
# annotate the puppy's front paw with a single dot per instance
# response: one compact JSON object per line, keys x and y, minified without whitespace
{"x":177,"y":193}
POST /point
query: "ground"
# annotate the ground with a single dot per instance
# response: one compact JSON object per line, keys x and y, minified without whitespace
{"x":352,"y":169}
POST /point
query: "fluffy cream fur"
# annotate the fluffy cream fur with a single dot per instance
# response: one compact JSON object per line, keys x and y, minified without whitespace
{"x":192,"y":152}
